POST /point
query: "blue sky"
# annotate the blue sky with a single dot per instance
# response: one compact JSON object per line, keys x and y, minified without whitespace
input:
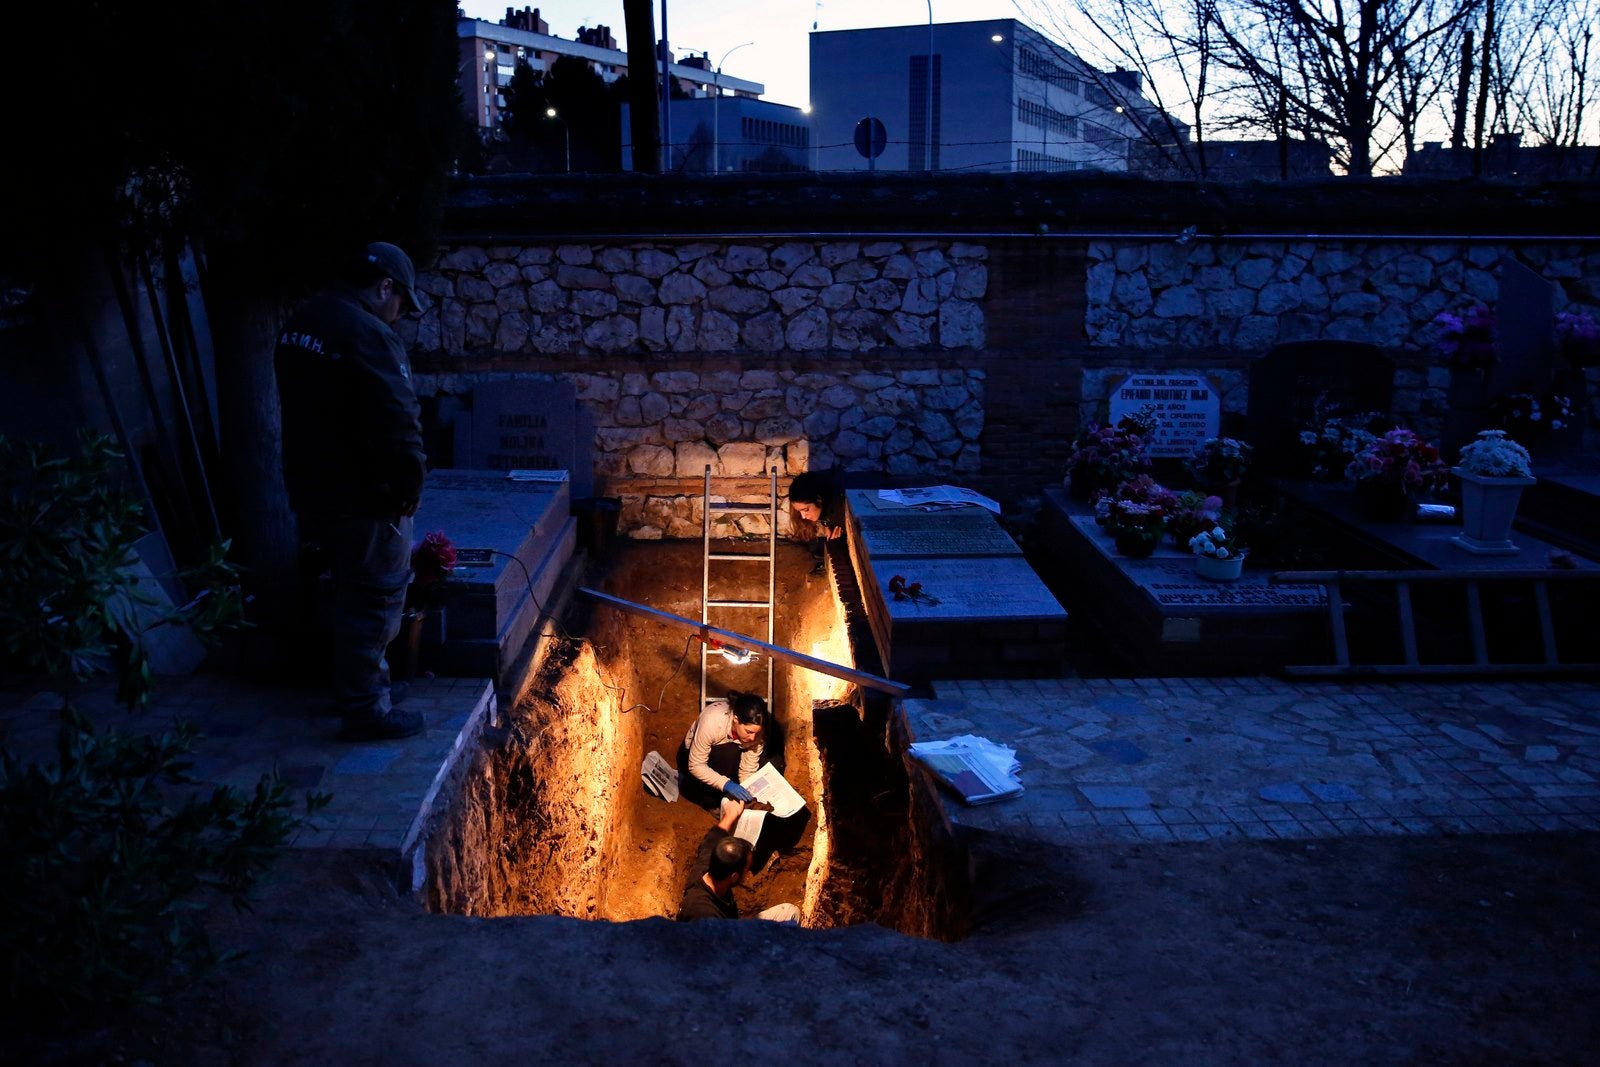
{"x":776,"y":29}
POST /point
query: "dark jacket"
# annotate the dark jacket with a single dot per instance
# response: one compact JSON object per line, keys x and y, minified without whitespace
{"x":699,"y":902}
{"x":352,"y":429}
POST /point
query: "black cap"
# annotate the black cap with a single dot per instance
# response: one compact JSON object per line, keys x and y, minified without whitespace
{"x":397,"y":265}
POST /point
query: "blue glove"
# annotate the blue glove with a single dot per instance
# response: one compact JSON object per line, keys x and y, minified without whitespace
{"x":737,"y":791}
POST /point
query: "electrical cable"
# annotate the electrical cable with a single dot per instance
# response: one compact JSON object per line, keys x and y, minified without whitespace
{"x":562,"y":632}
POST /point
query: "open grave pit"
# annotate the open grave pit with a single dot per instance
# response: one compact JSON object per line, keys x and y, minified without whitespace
{"x":551,"y":817}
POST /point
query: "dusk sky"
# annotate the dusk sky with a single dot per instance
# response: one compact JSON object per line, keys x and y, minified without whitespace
{"x":778,"y":29}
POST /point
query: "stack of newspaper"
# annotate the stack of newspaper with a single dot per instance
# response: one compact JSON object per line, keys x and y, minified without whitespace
{"x":975,"y":768}
{"x":938,"y":498}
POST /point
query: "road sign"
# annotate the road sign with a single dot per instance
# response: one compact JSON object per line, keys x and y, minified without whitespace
{"x":871,"y":138}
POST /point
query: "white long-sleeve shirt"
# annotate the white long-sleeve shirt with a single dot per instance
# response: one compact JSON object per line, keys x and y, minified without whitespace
{"x":715,"y":727}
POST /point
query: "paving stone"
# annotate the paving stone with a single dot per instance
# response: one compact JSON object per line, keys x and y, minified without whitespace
{"x":1284,"y":793}
{"x":1121,"y":750}
{"x":1333,"y":792}
{"x":1115,"y":796}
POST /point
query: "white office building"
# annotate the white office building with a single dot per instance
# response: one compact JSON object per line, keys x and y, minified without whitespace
{"x":1001,"y":97}
{"x":731,"y":135}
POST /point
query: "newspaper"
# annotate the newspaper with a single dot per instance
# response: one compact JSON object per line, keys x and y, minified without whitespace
{"x":769,"y":787}
{"x":975,"y":768}
{"x":660,"y":777}
{"x":938,"y":498}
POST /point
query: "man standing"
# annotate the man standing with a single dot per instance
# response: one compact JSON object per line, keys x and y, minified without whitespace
{"x":721,"y":863}
{"x":353,"y":465}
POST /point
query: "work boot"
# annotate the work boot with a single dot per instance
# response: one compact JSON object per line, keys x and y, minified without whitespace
{"x":390,"y":727}
{"x":398,"y":691}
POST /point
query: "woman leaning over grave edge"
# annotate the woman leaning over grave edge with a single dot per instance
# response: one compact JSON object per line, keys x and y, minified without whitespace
{"x":816,"y":505}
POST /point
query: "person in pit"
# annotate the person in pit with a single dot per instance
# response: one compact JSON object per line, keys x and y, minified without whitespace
{"x":721,"y":863}
{"x":727,"y":744}
{"x":816,"y":504}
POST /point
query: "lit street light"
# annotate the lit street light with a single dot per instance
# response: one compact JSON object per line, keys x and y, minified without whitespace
{"x":716,"y":107}
{"x":566,"y":135}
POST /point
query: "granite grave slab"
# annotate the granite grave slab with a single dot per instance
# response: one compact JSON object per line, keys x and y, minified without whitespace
{"x":993,"y":616}
{"x":490,"y":610}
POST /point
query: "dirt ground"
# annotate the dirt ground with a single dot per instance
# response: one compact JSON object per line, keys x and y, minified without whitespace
{"x":1388,"y":950}
{"x":1480,"y":950}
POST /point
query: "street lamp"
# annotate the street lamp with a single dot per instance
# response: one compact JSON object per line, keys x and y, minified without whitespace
{"x":716,"y":107}
{"x":566,"y":134}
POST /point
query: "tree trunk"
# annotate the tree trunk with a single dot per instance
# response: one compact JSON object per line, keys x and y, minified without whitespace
{"x":644,"y":110}
{"x":244,"y":329}
{"x":1458,"y":137}
{"x":1483,"y":89}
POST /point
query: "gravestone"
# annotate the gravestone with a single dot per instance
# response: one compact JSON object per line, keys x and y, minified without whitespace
{"x":1293,"y":383}
{"x":522,"y":425}
{"x":1524,"y":326}
{"x":944,"y":534}
{"x":1187,"y":404}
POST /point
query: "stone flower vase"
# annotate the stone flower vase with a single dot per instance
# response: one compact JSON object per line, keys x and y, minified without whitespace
{"x":1220,"y":570}
{"x":1488,"y":506}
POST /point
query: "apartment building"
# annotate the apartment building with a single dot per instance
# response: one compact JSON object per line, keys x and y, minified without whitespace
{"x":992,"y":95}
{"x":490,"y":53}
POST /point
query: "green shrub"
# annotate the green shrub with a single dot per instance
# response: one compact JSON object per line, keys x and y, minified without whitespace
{"x":107,"y":850}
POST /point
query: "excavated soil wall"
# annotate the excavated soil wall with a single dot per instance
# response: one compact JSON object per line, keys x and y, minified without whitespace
{"x":551,"y":817}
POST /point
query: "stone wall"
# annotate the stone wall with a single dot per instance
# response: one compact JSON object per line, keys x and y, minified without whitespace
{"x":1198,"y":296}
{"x":964,"y":357}
{"x":753,"y":297}
{"x":645,"y":331}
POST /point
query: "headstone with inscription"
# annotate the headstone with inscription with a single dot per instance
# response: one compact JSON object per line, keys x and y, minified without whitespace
{"x":1291,"y":384}
{"x":1187,"y":404}
{"x":520,"y":425}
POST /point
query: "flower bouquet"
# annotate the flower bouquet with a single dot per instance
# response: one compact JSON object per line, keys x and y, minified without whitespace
{"x":1217,"y":556}
{"x":1327,"y":448}
{"x":1392,"y":471}
{"x":912,"y":591}
{"x":1217,"y":461}
{"x":1578,"y":338}
{"x":1530,"y":416}
{"x":1143,"y":489}
{"x":1190,"y":514}
{"x":432,"y":561}
{"x":1136,"y":527}
{"x":1105,"y":457}
{"x":1467,"y":341}
{"x":1494,"y":455}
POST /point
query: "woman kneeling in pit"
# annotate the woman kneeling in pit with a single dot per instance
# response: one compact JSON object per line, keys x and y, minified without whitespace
{"x":727,"y":744}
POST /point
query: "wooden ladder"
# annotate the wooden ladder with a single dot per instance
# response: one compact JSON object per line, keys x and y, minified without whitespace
{"x":712,"y":509}
{"x":1402,"y":581}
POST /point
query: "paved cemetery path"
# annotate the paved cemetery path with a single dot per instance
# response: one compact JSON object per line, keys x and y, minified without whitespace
{"x":1202,"y":871}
